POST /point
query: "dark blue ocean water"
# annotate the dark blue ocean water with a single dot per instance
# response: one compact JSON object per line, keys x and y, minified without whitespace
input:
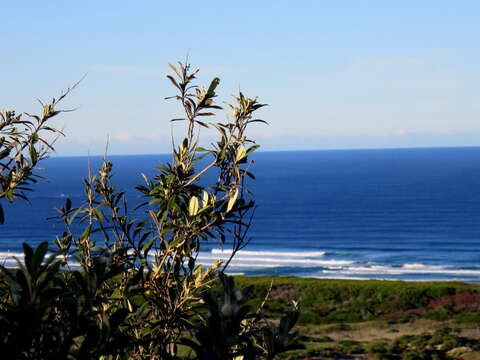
{"x":410,"y":214}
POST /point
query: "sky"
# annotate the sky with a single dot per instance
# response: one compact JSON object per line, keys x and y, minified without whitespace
{"x":336,"y":74}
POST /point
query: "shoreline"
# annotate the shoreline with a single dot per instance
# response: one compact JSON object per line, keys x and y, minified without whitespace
{"x":406,"y":273}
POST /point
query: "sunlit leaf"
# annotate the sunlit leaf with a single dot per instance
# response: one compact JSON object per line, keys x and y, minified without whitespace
{"x":193,"y":206}
{"x":241,"y":153}
{"x":205,"y":199}
{"x":174,"y":69}
{"x":232,"y":200}
{"x":33,"y":154}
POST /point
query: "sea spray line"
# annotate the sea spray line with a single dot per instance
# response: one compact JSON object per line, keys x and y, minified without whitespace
{"x":330,"y":268}
{"x":270,"y":253}
{"x":9,"y":254}
{"x":413,"y":266}
{"x":9,"y":259}
{"x":387,"y":270}
{"x":282,"y":261}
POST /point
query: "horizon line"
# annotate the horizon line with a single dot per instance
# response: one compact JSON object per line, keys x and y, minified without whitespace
{"x":293,"y":150}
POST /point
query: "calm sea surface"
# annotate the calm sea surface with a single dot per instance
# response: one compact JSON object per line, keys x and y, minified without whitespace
{"x":410,"y":214}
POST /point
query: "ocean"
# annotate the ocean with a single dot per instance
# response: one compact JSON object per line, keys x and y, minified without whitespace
{"x":408,"y":214}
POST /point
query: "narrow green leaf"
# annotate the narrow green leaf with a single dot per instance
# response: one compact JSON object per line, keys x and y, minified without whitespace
{"x":86,"y":232}
{"x":9,"y":195}
{"x":33,"y":154}
{"x":252,"y":149}
{"x":98,"y":214}
{"x":213,"y":86}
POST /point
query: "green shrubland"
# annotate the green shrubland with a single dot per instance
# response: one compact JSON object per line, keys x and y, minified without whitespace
{"x":326,"y":301}
{"x":375,"y":319}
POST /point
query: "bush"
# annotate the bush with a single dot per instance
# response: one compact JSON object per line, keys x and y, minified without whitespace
{"x":137,"y":291}
{"x":351,"y":347}
{"x":380,"y":347}
{"x":468,"y":318}
{"x":439,"y":314}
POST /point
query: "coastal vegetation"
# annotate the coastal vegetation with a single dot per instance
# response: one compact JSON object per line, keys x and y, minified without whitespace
{"x":375,"y":319}
{"x":117,"y":285}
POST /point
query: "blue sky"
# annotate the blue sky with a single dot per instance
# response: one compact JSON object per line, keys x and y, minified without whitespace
{"x":343,"y":74}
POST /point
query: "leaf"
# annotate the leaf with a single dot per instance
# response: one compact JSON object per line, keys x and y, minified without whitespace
{"x":250,"y":175}
{"x":47,"y":110}
{"x":35,"y":137}
{"x":193,"y":206}
{"x":258,"y":120}
{"x":68,"y":205}
{"x":73,"y":216}
{"x":39,"y":255}
{"x":148,"y":245}
{"x":199,"y":157}
{"x":33,"y":154}
{"x":205,"y":199}
{"x":232,"y":200}
{"x":86,"y":233}
{"x":213,"y":86}
{"x":202,"y":124}
{"x":174,"y":69}
{"x":9,"y":195}
{"x":241,"y":153}
{"x":174,"y":82}
{"x":252,"y":149}
{"x":98,"y":214}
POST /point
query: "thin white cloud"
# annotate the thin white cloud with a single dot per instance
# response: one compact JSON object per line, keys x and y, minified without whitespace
{"x":124,"y":138}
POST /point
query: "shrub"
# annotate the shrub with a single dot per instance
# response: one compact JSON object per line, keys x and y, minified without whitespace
{"x":137,"y":291}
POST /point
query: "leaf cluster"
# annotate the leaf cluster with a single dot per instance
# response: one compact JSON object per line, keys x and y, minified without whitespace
{"x":23,"y":144}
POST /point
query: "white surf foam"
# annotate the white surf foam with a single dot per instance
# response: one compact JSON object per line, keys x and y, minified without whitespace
{"x":278,"y":261}
{"x":10,"y":254}
{"x":291,"y":254}
{"x":10,"y":259}
{"x":425,"y":270}
{"x":413,"y":266}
